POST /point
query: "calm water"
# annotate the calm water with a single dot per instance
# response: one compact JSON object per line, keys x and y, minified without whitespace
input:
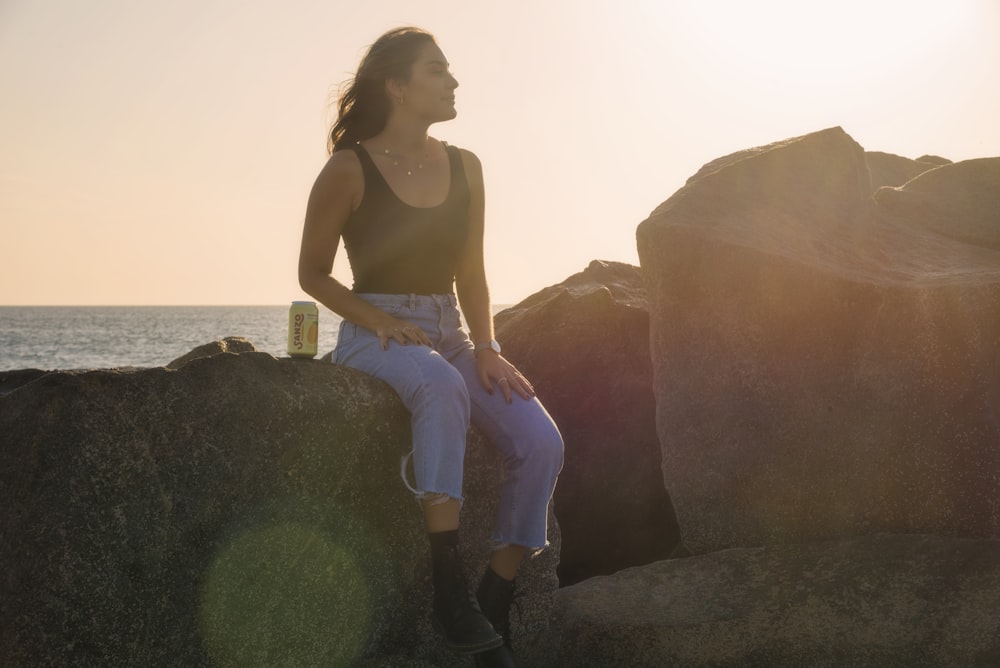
{"x":86,"y":337}
{"x":103,"y":337}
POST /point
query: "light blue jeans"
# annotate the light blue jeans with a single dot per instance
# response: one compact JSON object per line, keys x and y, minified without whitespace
{"x":440,"y":388}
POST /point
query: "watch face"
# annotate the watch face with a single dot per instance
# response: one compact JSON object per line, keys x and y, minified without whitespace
{"x":495,"y":346}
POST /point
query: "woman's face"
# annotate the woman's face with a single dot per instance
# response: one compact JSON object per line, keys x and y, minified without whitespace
{"x":430,"y":92}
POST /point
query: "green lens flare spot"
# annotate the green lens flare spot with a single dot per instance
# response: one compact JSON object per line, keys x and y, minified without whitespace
{"x":284,"y":595}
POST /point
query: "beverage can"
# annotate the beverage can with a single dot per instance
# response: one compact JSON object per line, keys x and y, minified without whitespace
{"x":303,"y":329}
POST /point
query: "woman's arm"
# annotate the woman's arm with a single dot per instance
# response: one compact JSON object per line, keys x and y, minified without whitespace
{"x":470,"y":283}
{"x":335,"y":194}
{"x":474,"y":295}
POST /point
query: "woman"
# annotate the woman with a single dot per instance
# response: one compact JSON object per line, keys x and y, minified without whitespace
{"x":410,"y":209}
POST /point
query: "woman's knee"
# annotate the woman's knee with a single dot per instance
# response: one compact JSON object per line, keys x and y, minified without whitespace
{"x":542,"y":449}
{"x":552,"y":450}
{"x":439,"y":404}
{"x":440,"y":384}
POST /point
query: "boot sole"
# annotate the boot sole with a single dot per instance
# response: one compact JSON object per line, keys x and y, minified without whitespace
{"x":474,"y":648}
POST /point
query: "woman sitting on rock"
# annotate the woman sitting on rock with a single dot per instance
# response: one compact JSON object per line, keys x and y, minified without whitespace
{"x":410,"y":209}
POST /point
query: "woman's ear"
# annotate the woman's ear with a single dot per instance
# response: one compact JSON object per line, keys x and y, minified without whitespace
{"x":395,"y":89}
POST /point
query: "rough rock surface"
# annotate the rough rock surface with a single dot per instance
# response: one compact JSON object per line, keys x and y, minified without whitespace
{"x":823,"y":365}
{"x":241,"y":510}
{"x":879,"y":601}
{"x":11,"y":380}
{"x":887,"y":169}
{"x":934,"y":159}
{"x":584,"y":343}
{"x":959,"y":202}
{"x":230,"y":344}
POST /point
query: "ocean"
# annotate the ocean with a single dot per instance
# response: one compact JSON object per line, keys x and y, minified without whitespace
{"x":105,"y":337}
{"x":101,"y":337}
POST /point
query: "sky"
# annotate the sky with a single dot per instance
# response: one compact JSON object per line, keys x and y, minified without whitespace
{"x":162,"y":153}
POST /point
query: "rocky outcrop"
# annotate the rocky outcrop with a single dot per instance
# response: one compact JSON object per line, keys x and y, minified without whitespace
{"x":879,"y":601}
{"x":241,"y":510}
{"x":11,"y":380}
{"x":934,"y":159}
{"x":887,"y":169}
{"x":230,"y":344}
{"x":825,"y":364}
{"x":958,"y":202}
{"x":584,"y":343}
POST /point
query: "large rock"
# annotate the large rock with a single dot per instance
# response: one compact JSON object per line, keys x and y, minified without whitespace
{"x":584,"y":343}
{"x":887,"y":169}
{"x":879,"y":601}
{"x":239,"y":511}
{"x":230,"y":344}
{"x":11,"y":380}
{"x":958,"y":202}
{"x":823,"y":365}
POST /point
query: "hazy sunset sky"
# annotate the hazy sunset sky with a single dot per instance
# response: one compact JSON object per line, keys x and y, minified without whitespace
{"x":162,"y":153}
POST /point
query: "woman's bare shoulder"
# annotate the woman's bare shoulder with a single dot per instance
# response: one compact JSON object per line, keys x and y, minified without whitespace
{"x":467,"y":155}
{"x":473,"y":167}
{"x":341,"y":179}
{"x":341,"y":173}
{"x":342,"y":164}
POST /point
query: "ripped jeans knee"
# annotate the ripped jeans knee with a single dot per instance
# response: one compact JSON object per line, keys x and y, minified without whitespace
{"x":431,"y":498}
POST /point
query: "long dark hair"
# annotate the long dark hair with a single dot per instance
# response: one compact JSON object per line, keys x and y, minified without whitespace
{"x":364,"y":106}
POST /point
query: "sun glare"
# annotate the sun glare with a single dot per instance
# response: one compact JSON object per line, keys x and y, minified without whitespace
{"x":794,"y":43}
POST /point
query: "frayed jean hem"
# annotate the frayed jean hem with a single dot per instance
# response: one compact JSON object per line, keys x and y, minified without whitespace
{"x":432,"y":498}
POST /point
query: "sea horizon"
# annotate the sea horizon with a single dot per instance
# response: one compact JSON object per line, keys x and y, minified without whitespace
{"x":73,"y":337}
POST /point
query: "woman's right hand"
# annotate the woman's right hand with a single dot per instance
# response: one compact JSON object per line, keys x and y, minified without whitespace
{"x":403,"y":332}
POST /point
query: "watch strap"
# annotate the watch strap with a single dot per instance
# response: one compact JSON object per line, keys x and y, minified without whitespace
{"x":488,"y":345}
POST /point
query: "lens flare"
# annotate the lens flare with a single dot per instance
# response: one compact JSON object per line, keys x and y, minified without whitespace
{"x":284,"y":594}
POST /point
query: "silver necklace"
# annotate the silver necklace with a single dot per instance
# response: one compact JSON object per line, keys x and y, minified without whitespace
{"x":395,"y":161}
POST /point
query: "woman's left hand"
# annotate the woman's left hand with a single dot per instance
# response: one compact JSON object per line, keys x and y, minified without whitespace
{"x":493,"y":370}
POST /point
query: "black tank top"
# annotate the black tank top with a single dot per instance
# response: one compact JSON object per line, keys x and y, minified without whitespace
{"x":395,"y":248}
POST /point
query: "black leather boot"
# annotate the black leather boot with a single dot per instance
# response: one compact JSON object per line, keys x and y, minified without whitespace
{"x":495,"y":596}
{"x":456,"y":613}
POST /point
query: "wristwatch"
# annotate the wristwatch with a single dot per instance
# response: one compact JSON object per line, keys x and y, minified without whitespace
{"x":488,"y":345}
